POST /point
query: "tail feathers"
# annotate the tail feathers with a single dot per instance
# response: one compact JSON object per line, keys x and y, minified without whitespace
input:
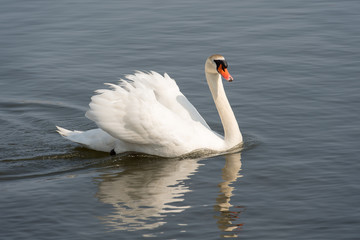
{"x":64,"y":132}
{"x":74,"y":136}
{"x":95,"y":139}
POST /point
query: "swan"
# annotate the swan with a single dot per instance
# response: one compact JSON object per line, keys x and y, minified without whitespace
{"x":147,"y":113}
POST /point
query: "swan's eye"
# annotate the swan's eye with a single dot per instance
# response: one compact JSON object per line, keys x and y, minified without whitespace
{"x":221,"y":63}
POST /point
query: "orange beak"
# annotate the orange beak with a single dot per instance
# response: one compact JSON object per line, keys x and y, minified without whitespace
{"x":224,"y":73}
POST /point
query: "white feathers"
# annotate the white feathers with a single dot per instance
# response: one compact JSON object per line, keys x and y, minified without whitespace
{"x":147,"y":113}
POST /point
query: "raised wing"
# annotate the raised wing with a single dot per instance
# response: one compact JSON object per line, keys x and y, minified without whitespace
{"x":168,"y":94}
{"x":147,"y":109}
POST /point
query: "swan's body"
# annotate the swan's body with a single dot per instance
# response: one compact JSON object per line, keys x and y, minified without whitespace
{"x":147,"y":113}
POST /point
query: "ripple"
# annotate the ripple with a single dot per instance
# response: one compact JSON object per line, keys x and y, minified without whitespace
{"x":49,"y":165}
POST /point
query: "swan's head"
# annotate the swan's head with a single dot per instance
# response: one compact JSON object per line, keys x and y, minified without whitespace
{"x":216,"y":64}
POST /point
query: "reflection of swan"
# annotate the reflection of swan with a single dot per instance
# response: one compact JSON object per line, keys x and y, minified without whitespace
{"x":230,"y":173}
{"x":143,"y":196}
{"x":149,"y":114}
{"x":147,"y":191}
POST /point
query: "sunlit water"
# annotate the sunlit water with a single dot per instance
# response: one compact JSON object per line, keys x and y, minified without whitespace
{"x":296,"y":66}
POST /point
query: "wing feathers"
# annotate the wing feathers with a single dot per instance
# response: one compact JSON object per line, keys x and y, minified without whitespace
{"x":146,"y":108}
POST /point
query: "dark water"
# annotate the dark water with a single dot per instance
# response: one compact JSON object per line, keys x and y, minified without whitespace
{"x":296,"y":66}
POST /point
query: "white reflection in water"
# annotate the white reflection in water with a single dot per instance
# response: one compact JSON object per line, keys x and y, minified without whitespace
{"x":142,"y":195}
{"x":230,"y":173}
{"x":146,"y":191}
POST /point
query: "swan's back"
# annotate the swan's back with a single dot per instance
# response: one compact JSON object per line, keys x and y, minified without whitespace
{"x":148,"y":113}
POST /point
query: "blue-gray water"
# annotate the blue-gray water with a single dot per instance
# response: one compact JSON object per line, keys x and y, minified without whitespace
{"x":296,"y":66}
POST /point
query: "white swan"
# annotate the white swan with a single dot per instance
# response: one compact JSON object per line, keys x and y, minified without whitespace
{"x":147,"y":113}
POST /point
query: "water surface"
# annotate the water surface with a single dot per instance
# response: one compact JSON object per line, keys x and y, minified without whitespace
{"x":296,"y":67}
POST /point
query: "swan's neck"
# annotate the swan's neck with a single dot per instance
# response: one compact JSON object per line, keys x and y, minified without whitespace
{"x":232,"y":134}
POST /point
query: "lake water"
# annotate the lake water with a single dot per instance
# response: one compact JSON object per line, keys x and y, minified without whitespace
{"x":296,"y":66}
